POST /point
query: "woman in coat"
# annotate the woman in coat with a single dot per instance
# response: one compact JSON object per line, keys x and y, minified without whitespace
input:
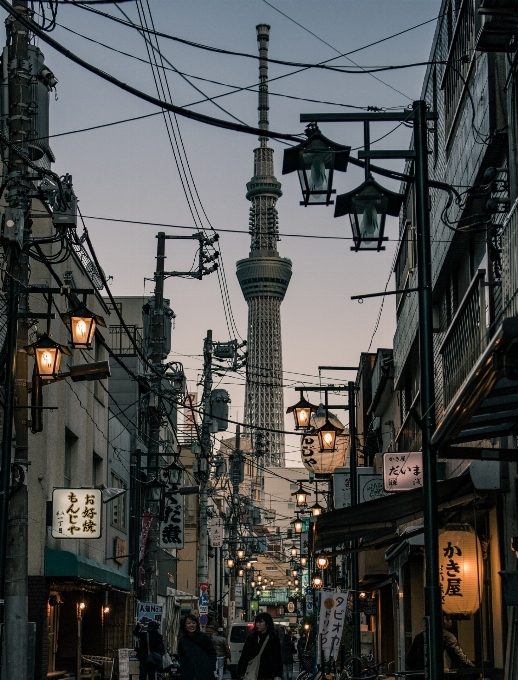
{"x":263,"y":637}
{"x":196,"y":651}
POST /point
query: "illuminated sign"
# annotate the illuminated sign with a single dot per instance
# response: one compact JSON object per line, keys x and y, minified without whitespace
{"x":402,"y":471}
{"x":76,"y":513}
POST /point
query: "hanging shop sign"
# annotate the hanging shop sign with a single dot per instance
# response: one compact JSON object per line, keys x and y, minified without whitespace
{"x":217,"y":527}
{"x":76,"y":513}
{"x":149,"y":611}
{"x":461,"y":569}
{"x":171,"y":533}
{"x":147,"y":519}
{"x":331,"y":622}
{"x":402,"y":471}
{"x":370,"y":486}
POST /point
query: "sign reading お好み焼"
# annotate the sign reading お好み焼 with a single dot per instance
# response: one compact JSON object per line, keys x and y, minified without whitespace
{"x":76,"y":513}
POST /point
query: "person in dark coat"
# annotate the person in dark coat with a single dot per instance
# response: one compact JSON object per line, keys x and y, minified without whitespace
{"x":270,"y":666}
{"x":144,"y":631}
{"x":415,"y":656}
{"x":288,"y":649}
{"x":196,"y":651}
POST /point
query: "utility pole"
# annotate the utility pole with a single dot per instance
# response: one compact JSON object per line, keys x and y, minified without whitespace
{"x":157,"y":351}
{"x":203,"y":464}
{"x":353,"y":471}
{"x":14,"y":511}
{"x":236,"y":477}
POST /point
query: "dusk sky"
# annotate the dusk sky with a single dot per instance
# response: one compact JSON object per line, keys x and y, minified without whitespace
{"x":128,"y":171}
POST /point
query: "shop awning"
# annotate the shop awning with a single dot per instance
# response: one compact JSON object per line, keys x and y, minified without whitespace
{"x":65,"y":564}
{"x":374,"y":523}
{"x":486,"y":404}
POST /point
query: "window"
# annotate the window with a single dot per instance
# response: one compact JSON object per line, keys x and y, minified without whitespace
{"x":97,"y":469}
{"x":70,"y":448}
{"x":118,"y":505}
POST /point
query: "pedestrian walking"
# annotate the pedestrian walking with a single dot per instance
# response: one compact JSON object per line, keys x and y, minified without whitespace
{"x":149,"y":643}
{"x":221,"y":647}
{"x":196,"y":651}
{"x":288,"y":650}
{"x":261,"y":658}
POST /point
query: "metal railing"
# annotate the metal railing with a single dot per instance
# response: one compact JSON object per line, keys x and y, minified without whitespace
{"x":121,"y":344}
{"x":466,"y":337}
{"x":510,"y":263}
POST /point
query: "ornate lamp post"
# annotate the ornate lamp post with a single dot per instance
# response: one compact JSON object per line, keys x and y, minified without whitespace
{"x":82,"y":323}
{"x":47,"y":355}
{"x":302,"y":413}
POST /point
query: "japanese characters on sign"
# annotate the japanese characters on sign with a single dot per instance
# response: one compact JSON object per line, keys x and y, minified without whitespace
{"x":147,"y":519}
{"x":460,"y":569}
{"x":370,"y":486}
{"x":331,"y":622}
{"x":217,"y":528}
{"x":149,"y":611}
{"x":172,"y":527}
{"x":76,"y":513}
{"x":402,"y":471}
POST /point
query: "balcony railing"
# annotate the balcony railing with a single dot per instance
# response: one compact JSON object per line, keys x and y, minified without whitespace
{"x":510,"y":263}
{"x":121,"y":344}
{"x":466,"y":338}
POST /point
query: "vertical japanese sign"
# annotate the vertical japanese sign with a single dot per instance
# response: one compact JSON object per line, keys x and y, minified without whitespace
{"x":331,"y":622}
{"x":124,"y":664}
{"x":217,"y":528}
{"x":402,"y":471}
{"x":172,"y":527}
{"x":147,"y":518}
{"x":76,"y":513}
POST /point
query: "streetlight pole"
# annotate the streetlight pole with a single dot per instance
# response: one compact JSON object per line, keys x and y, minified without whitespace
{"x":424,"y":272}
{"x":353,"y":465}
{"x":419,"y":115}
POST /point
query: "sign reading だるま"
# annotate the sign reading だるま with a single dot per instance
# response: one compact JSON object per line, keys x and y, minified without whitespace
{"x":76,"y":513}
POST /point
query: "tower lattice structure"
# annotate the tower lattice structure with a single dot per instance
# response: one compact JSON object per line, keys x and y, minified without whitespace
{"x":264,"y":277}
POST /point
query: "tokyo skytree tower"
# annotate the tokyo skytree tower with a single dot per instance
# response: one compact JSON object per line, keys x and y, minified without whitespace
{"x":264,"y":278}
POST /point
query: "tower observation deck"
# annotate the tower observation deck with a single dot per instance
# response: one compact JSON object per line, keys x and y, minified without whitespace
{"x":264,"y":277}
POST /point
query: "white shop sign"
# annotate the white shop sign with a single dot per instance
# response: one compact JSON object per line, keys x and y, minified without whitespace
{"x":76,"y":513}
{"x":402,"y":471}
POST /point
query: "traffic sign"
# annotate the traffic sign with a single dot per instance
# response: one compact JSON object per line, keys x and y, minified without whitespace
{"x":204,"y":608}
{"x":309,"y":590}
{"x":309,"y":607}
{"x":203,"y":599}
{"x":204,"y":619}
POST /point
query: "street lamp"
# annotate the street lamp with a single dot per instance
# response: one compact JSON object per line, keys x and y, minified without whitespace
{"x":301,"y":496}
{"x":47,"y":355}
{"x":271,"y":583}
{"x":155,"y":489}
{"x":317,"y":509}
{"x":240,"y":553}
{"x":240,"y":572}
{"x":322,"y":562}
{"x":258,"y":592}
{"x":302,"y":413}
{"x":296,"y":581}
{"x":293,"y":552}
{"x":263,"y":586}
{"x":252,"y":583}
{"x":327,"y":435}
{"x":230,"y":562}
{"x":303,"y":561}
{"x":294,"y":573}
{"x":248,"y":565}
{"x":367,"y":206}
{"x":317,"y":580}
{"x":82,"y":324}
{"x":315,"y":160}
{"x":290,"y":583}
{"x":174,"y":473}
{"x":297,"y":525}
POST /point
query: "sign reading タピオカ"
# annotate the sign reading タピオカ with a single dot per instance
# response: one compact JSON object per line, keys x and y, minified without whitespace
{"x":76,"y":513}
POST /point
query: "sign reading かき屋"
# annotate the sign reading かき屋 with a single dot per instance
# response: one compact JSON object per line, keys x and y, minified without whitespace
{"x":76,"y":513}
{"x":402,"y":471}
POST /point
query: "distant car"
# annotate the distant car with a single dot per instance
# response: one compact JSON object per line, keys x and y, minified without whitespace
{"x":236,"y":639}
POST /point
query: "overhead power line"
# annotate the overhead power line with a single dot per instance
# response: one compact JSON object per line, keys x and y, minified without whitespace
{"x":282,"y":62}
